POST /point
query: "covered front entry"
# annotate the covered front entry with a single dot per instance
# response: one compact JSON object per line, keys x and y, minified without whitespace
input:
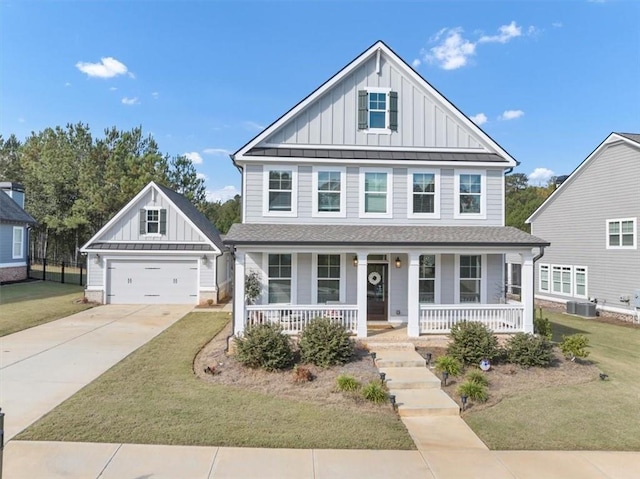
{"x":377,"y":291}
{"x":152,"y":282}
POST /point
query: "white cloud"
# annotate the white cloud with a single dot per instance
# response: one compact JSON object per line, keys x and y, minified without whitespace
{"x":108,"y":67}
{"x":194,"y":156}
{"x":557,"y":24}
{"x":479,"y":119}
{"x":453,"y":52}
{"x":540,"y":175}
{"x":511,"y":114}
{"x":21,"y":120}
{"x":155,"y":95}
{"x":130,"y":101}
{"x":223,"y":194}
{"x":505,"y":33}
{"x":416,"y":63}
{"x":202,"y":176}
{"x":112,"y":88}
{"x":67,"y":84}
{"x":252,"y":125}
{"x":216,"y":151}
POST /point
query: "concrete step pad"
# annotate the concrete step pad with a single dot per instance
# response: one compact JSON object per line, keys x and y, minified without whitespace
{"x":397,"y":346}
{"x":398,"y":359}
{"x":442,"y":433}
{"x":411,"y":378}
{"x":424,"y":402}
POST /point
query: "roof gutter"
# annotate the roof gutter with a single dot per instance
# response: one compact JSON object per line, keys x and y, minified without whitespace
{"x":271,"y":242}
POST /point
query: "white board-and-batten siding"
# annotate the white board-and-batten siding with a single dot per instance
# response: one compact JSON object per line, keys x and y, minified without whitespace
{"x":254,"y":188}
{"x":423,"y":120}
{"x":127,"y":228}
{"x":575,"y":222}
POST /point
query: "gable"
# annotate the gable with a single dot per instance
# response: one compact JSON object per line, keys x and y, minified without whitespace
{"x":329,"y":117}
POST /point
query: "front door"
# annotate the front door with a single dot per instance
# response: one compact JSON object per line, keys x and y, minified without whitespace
{"x":377,"y":292}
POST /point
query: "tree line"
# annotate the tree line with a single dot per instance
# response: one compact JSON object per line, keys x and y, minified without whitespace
{"x":75,"y":183}
{"x":522,"y":199}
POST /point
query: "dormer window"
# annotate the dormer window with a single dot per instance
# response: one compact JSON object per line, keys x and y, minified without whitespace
{"x":153,"y":221}
{"x":378,"y":110}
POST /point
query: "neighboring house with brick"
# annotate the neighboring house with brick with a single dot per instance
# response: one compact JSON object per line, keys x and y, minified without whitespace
{"x":14,"y":233}
{"x":375,"y":199}
{"x":159,"y":249}
{"x":592,"y":222}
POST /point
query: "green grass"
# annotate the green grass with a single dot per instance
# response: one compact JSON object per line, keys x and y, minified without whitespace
{"x":25,"y":305}
{"x":153,"y":397}
{"x":598,"y":415}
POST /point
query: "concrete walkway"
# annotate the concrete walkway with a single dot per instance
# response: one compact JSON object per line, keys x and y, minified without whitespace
{"x":42,"y":366}
{"x":57,"y":460}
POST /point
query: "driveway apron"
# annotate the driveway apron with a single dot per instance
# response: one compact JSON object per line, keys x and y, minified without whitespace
{"x":42,"y":366}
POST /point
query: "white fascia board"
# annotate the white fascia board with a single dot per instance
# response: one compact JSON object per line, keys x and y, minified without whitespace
{"x":430,"y":149}
{"x":608,"y":141}
{"x":150,"y":252}
{"x":261,"y":160}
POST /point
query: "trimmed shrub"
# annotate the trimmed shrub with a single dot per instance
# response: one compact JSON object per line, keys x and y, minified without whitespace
{"x":477,"y":377}
{"x":264,"y":346}
{"x":301,"y":374}
{"x":529,"y":350}
{"x":474,"y":391}
{"x":375,"y":392}
{"x":449,"y":364}
{"x":573,"y":346}
{"x":472,"y":342}
{"x":347,"y":383}
{"x":542,"y":326}
{"x":325,"y":343}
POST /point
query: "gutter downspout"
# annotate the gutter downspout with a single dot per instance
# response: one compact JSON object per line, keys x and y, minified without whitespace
{"x":232,"y":250}
{"x":535,"y":258}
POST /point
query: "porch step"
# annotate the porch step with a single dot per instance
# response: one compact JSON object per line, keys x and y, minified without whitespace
{"x":410,"y":378}
{"x":424,"y":402}
{"x":394,"y":358}
{"x":397,"y":346}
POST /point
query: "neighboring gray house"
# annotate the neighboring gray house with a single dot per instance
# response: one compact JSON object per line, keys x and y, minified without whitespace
{"x":592,"y":223}
{"x":376,"y":199}
{"x":14,"y":233}
{"x":157,"y":249}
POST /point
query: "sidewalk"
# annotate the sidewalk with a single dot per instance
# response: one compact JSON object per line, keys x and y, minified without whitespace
{"x":57,"y":460}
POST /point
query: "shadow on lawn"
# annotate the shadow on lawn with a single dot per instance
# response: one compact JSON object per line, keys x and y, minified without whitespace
{"x":34,"y":289}
{"x":560,"y":330}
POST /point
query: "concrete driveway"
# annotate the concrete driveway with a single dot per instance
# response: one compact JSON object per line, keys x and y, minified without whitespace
{"x":42,"y":366}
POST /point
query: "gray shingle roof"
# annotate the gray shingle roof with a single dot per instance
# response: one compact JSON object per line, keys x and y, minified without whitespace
{"x":195,"y":215}
{"x":347,"y":154}
{"x":631,"y":136}
{"x":11,"y":212}
{"x":151,"y":246}
{"x":271,"y":234}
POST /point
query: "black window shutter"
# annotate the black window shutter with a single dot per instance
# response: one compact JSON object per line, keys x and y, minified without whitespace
{"x":143,"y":222}
{"x":393,"y":111}
{"x":163,"y":222}
{"x":363,"y":98}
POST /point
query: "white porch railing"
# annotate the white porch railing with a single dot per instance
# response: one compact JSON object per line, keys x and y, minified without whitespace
{"x":500,"y":318}
{"x":293,"y":318}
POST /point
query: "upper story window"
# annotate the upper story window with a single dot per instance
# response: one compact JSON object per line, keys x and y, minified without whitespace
{"x":378,"y":110}
{"x":329,"y":195}
{"x":18,"y":242}
{"x":470,"y":197}
{"x":425,"y":200}
{"x":280,"y":191}
{"x":375,"y":192}
{"x":621,"y":234}
{"x":153,"y":221}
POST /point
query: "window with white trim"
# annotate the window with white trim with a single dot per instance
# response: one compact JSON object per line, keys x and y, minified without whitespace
{"x":329,"y":196}
{"x":561,"y":279}
{"x":153,"y":221}
{"x":580,"y":281}
{"x":470,"y":278}
{"x":425,"y":194}
{"x":280,"y":190}
{"x":544,"y":277}
{"x":621,"y":233}
{"x":470,"y":194}
{"x":18,"y":242}
{"x":279,"y":280}
{"x":375,"y":192}
{"x":328,"y":277}
{"x":427,"y":278}
{"x":378,"y":110}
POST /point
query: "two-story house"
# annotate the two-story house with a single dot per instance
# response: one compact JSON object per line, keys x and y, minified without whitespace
{"x":376,"y":199}
{"x":14,"y":233}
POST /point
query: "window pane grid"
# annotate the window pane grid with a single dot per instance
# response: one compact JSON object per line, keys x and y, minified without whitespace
{"x":424,"y":188}
{"x":279,"y":278}
{"x":280,"y":190}
{"x":470,"y":193}
{"x":470,"y":278}
{"x":375,"y":193}
{"x":621,"y":233}
{"x":328,"y":277}
{"x":329,"y":189}
{"x":427,"y":276}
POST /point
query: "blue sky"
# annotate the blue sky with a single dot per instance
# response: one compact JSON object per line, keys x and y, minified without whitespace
{"x":547,"y":80}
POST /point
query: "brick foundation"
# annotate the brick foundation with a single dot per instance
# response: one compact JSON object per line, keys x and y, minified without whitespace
{"x":93,"y":296}
{"x":18,"y":273}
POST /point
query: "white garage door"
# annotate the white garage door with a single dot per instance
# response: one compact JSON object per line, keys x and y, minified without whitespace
{"x":152,"y":282}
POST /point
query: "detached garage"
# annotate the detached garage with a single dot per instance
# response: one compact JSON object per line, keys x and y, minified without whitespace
{"x":159,"y":249}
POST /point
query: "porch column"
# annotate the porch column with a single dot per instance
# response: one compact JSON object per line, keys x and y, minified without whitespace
{"x":413,"y":296}
{"x":361,"y":285}
{"x":239,"y":314}
{"x":526,"y":293}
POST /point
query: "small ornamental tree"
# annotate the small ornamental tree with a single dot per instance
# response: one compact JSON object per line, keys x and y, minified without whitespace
{"x":471,"y":342}
{"x":252,"y":286}
{"x":574,"y":346}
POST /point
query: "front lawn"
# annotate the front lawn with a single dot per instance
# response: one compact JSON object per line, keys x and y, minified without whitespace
{"x":29,"y":304}
{"x":596,"y":415}
{"x":154,"y":397}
